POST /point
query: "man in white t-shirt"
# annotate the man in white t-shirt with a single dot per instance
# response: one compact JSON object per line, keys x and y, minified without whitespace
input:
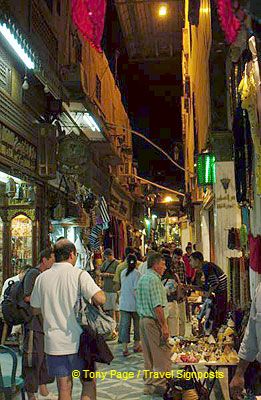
{"x":55,"y":295}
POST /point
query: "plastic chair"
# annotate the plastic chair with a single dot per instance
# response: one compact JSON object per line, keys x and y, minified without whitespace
{"x":10,"y":385}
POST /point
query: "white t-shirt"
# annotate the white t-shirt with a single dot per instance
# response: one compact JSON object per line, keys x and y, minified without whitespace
{"x":5,"y":285}
{"x":129,"y":283}
{"x":55,"y":293}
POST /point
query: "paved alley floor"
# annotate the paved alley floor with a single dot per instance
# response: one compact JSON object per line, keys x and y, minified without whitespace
{"x":115,"y":387}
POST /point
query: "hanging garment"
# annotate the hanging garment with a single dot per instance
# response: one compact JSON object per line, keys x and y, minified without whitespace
{"x":242,"y":156}
{"x":82,"y":254}
{"x":193,"y":13}
{"x":247,"y":89}
{"x":256,"y":73}
{"x":243,"y":236}
{"x":95,"y":237}
{"x":104,"y":211}
{"x":255,"y":253}
{"x":237,"y":237}
{"x":231,"y":239}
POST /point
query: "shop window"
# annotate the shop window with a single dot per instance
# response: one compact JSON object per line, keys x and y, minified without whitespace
{"x":98,"y":89}
{"x":1,"y":253}
{"x":21,"y":236}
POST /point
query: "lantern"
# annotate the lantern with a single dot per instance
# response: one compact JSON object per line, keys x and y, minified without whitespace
{"x":206,"y":169}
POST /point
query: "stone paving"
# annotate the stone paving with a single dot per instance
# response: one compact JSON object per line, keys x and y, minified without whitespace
{"x":112,"y":388}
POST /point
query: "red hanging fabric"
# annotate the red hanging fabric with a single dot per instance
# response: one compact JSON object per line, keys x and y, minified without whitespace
{"x":88,"y":16}
{"x":228,"y":21}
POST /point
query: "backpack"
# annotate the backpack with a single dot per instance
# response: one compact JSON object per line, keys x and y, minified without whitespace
{"x":14,"y":309}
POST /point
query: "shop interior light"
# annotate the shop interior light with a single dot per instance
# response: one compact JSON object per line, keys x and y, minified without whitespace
{"x":11,"y":39}
{"x":163,"y":10}
{"x":91,"y":122}
{"x":168,"y":199}
{"x":5,"y":177}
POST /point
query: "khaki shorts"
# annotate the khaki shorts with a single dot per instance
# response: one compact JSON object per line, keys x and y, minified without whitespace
{"x":111,"y":302}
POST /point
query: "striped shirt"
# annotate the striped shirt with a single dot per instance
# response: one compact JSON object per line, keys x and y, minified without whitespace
{"x":214,"y":277}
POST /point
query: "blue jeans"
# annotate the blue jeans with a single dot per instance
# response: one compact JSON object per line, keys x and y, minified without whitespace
{"x":125,"y":326}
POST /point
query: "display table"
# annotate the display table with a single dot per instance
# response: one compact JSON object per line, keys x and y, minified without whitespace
{"x":204,"y":381}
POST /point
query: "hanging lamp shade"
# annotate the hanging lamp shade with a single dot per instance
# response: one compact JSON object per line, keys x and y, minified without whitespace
{"x":206,"y":169}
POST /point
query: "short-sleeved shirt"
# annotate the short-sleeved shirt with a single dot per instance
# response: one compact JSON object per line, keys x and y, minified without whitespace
{"x":150,"y":294}
{"x":36,"y":323}
{"x":214,"y":277}
{"x":128,"y":286}
{"x":110,"y":267}
{"x":56,"y":293}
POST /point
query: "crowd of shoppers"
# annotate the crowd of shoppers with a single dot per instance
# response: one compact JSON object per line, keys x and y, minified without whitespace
{"x":150,"y":295}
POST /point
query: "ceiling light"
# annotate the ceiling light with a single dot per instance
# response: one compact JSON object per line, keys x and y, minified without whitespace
{"x":163,"y":11}
{"x":91,"y":122}
{"x":11,"y":39}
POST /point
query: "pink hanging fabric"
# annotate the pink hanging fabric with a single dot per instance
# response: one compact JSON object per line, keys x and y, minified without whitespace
{"x":88,"y":16}
{"x":230,"y":24}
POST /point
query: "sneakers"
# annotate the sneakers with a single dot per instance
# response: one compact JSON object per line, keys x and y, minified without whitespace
{"x":50,"y":396}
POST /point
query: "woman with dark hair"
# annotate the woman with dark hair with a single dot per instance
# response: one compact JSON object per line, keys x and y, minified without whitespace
{"x":128,"y":310}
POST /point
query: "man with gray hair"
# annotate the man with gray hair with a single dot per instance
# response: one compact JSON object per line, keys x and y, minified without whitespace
{"x":152,"y":308}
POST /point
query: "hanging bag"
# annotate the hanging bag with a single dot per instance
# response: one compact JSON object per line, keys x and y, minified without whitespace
{"x":93,"y":316}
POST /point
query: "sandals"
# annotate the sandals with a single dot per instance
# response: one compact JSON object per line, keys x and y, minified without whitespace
{"x":137,"y":349}
{"x":126,"y":353}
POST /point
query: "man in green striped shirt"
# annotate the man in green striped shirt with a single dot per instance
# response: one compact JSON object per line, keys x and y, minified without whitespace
{"x":151,"y":300}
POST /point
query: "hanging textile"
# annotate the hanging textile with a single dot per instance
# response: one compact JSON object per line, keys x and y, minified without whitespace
{"x":228,"y":21}
{"x":256,"y":73}
{"x":103,"y":207}
{"x":242,"y":156}
{"x":88,"y":16}
{"x":193,"y":13}
{"x":247,"y":89}
{"x":95,"y":237}
{"x":255,"y":252}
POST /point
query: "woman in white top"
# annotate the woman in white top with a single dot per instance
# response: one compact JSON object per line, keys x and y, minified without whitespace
{"x":127,"y":305}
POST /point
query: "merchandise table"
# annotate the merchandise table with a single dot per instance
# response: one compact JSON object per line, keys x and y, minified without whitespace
{"x":204,"y":386}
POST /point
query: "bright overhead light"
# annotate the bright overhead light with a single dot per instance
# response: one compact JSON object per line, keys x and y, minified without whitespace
{"x":5,"y":177}
{"x":91,"y":122}
{"x":11,"y":39}
{"x":168,"y":199}
{"x":163,"y":11}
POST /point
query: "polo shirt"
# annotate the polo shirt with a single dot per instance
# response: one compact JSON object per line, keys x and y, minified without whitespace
{"x":55,"y":293}
{"x":150,"y":294}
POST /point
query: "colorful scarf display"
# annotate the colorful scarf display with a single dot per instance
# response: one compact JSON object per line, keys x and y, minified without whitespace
{"x":88,"y":16}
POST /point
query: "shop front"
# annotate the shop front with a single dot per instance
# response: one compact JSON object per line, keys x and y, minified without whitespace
{"x":21,"y":203}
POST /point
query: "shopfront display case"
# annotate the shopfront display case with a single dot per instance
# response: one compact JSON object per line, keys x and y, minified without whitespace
{"x":19,"y":224}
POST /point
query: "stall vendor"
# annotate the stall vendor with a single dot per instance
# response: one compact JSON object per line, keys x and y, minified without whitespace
{"x":215,"y":282}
